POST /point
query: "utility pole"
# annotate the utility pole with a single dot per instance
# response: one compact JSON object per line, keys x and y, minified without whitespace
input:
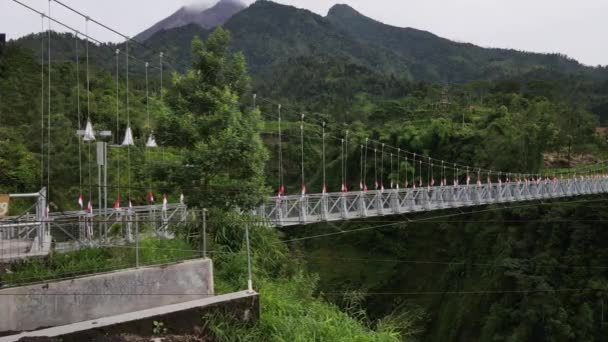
{"x":102,"y":164}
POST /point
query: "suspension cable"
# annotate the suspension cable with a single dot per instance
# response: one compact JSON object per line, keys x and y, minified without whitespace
{"x":48,"y":138}
{"x":281,"y":188}
{"x":361,"y":167}
{"x":42,"y":104}
{"x":382,"y":168}
{"x":429,"y":175}
{"x":128,"y":124}
{"x":161,"y":75}
{"x":88,"y":111}
{"x":390,"y":175}
{"x":399,"y":167}
{"x":376,"y":168}
{"x":323,"y":138}
{"x":117,"y":201}
{"x":420,"y":171}
{"x":346,"y":162}
{"x":303,"y":188}
{"x":79,"y":121}
{"x":365,"y":167}
{"x":342,"y":164}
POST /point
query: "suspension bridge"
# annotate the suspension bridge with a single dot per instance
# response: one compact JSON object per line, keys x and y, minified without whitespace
{"x":412,"y":177}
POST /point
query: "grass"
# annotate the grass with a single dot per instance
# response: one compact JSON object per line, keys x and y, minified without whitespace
{"x":95,"y":260}
{"x":290,"y":310}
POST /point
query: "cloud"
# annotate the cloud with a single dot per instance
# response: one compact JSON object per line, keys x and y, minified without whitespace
{"x":201,"y":5}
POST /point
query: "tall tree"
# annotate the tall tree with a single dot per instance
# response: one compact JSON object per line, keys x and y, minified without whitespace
{"x":225,"y":158}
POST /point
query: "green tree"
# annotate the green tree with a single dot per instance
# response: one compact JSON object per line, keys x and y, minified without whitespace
{"x":225,"y":158}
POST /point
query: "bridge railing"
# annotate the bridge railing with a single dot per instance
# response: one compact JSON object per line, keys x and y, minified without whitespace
{"x":337,"y":206}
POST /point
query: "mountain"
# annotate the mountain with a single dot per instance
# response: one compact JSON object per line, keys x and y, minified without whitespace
{"x":431,"y":57}
{"x":270,"y":34}
{"x":205,"y":17}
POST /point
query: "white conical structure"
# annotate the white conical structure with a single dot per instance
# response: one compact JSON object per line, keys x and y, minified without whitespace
{"x":89,"y":134}
{"x":128,"y":140}
{"x":151,"y":141}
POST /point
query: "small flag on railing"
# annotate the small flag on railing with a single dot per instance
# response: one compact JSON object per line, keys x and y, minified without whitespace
{"x":376,"y":185}
{"x":181,"y":198}
{"x":303,"y":189}
{"x":81,"y":201}
{"x":130,"y":204}
{"x":150,"y":197}
{"x":164,"y":202}
{"x":361,"y":185}
{"x":478,"y":181}
{"x":117,"y":204}
{"x":89,"y":207}
{"x":365,"y":187}
{"x":432,"y":181}
{"x":489,"y":180}
{"x":324,"y":189}
{"x":344,"y":188}
{"x":468,"y":179}
{"x":382,"y":187}
{"x":281,"y":190}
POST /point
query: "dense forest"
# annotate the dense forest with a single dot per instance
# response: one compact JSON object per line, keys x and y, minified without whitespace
{"x":514,"y":273}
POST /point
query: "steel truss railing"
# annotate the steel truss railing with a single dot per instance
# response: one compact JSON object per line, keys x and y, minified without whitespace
{"x":297,"y":209}
{"x":84,"y":228}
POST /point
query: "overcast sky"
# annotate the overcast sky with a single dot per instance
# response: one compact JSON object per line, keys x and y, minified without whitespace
{"x":576,"y":28}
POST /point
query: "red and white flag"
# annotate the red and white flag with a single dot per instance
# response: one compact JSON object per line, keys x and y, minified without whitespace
{"x":478,"y":181}
{"x":382,"y":187}
{"x":130,"y":204}
{"x":376,"y":185}
{"x":324,"y":189}
{"x":365,"y":187}
{"x":164,"y":202}
{"x":89,"y":207}
{"x":117,"y":204}
{"x":432,"y":181}
{"x":81,"y":201}
{"x":468,"y":179}
{"x":361,"y":185}
{"x":303,"y":189}
{"x":281,"y":190}
{"x":344,"y":188}
{"x":150,"y":197}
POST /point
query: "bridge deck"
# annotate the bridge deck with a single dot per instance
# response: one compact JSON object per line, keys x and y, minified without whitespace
{"x":313,"y":208}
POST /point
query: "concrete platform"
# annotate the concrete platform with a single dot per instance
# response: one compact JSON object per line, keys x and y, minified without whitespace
{"x":82,"y":331}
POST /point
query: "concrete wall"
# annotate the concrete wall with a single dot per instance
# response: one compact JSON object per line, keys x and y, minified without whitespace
{"x":64,"y":302}
{"x":186,"y":321}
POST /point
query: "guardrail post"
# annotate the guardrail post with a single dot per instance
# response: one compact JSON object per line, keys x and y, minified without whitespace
{"x":324,"y":209}
{"x":303,"y":209}
{"x":249,"y":277}
{"x":361,"y":204}
{"x":394,"y":198}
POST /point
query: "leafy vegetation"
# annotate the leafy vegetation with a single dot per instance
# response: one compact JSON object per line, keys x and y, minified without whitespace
{"x":503,"y":271}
